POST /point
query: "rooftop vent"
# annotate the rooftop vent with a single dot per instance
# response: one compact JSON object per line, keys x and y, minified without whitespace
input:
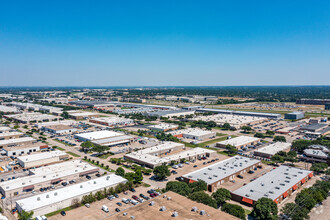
{"x":47,"y":196}
{"x":38,"y":198}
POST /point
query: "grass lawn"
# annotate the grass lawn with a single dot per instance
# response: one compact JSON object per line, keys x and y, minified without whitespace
{"x":59,"y":148}
{"x":59,"y":211}
{"x":72,"y":154}
{"x":247,"y":212}
{"x":220,"y":134}
{"x":99,"y":165}
{"x":104,"y":156}
{"x":61,"y":142}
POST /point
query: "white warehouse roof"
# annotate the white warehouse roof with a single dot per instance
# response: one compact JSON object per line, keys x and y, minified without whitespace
{"x":41,"y":156}
{"x":16,"y":140}
{"x":238,"y":141}
{"x":97,"y":135}
{"x":274,"y":148}
{"x":56,"y":196}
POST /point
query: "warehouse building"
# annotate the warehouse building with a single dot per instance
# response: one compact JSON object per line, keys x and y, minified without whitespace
{"x":8,"y":109}
{"x":62,"y":198}
{"x":47,"y":176}
{"x":270,"y":150}
{"x":59,"y":129}
{"x":5,"y":129}
{"x":276,"y":185}
{"x":243,"y":113}
{"x":194,"y":133}
{"x":83,"y":115}
{"x":239,"y":142}
{"x":217,"y":174}
{"x":17,"y":142}
{"x":113,"y":121}
{"x":59,"y":122}
{"x":31,"y":117}
{"x":10,"y":135}
{"x":163,"y":127}
{"x":294,"y":115}
{"x":105,"y":138}
{"x":24,"y":149}
{"x":42,"y":159}
{"x":170,"y":113}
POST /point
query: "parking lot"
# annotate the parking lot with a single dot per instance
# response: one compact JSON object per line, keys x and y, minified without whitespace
{"x":95,"y":210}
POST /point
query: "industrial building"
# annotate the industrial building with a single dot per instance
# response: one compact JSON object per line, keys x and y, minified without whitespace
{"x":217,"y":174}
{"x":36,"y":107}
{"x":315,"y":130}
{"x":83,"y":115}
{"x":170,"y":113}
{"x":105,"y":138}
{"x":62,"y":198}
{"x":59,"y":122}
{"x":5,"y":129}
{"x":10,"y":135}
{"x":271,"y":149}
{"x":163,"y":127}
{"x":236,"y":121}
{"x":312,"y":101}
{"x":243,"y":113}
{"x":17,"y":142}
{"x":316,"y":153}
{"x":294,"y":115}
{"x":42,"y":159}
{"x":165,"y":153}
{"x":194,"y":133}
{"x":47,"y":176}
{"x":24,"y":149}
{"x":8,"y":109}
{"x":31,"y":117}
{"x":239,"y":142}
{"x":276,"y":185}
{"x":113,"y":121}
{"x":59,"y":129}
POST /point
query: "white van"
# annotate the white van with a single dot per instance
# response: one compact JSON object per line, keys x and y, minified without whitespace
{"x":105,"y":208}
{"x":44,"y":217}
{"x":134,"y":202}
{"x":124,"y":200}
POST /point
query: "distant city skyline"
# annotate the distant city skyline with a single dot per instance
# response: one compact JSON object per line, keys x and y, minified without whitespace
{"x":169,"y":43}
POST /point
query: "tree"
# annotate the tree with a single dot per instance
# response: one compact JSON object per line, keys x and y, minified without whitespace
{"x":75,"y":203}
{"x":181,"y":188}
{"x":65,"y":115}
{"x":270,"y":133}
{"x":23,"y":215}
{"x":259,"y":135}
{"x":99,"y":148}
{"x":161,"y":172}
{"x":231,"y":149}
{"x":226,"y":126}
{"x":234,"y":210}
{"x":295,"y":212}
{"x":130,"y":176}
{"x":204,"y":198}
{"x":264,"y":209}
{"x":246,"y":128}
{"x":16,"y":126}
{"x":86,"y":146}
{"x":221,"y":196}
{"x":277,"y":159}
{"x":120,"y":171}
{"x":319,"y":167}
{"x":199,"y":185}
{"x":138,"y":176}
{"x":292,"y":154}
{"x":279,"y":139}
{"x":306,"y":198}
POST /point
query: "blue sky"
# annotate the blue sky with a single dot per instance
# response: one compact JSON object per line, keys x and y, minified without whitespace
{"x":164,"y":43}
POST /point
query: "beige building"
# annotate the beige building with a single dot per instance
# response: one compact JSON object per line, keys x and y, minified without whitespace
{"x":41,"y":159}
{"x":239,"y":142}
{"x":10,"y":135}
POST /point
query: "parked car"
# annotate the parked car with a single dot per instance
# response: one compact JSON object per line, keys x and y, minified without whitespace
{"x":88,"y":177}
{"x":63,"y":213}
{"x":132,"y":190}
{"x":87,"y":205}
{"x":119,"y":204}
{"x":135,"y":197}
{"x":105,"y":208}
{"x":116,"y":195}
{"x":240,"y":176}
{"x":117,"y":210}
{"x":251,"y":171}
{"x":195,"y":166}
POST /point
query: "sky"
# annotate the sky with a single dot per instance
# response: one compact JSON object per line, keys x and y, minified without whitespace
{"x":164,"y":43}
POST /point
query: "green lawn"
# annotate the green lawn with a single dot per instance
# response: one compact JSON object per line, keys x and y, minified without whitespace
{"x":72,"y":154}
{"x":59,"y":211}
{"x":59,"y":148}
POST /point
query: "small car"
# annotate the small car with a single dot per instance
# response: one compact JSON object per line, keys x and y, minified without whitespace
{"x":119,"y":204}
{"x":117,"y":210}
{"x":87,"y":205}
{"x":63,"y":213}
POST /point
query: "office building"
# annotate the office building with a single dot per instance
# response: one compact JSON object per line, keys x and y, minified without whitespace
{"x":42,"y":159}
{"x":294,"y":115}
{"x":271,"y":149}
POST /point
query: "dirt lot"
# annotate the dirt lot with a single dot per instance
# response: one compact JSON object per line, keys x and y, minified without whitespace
{"x":95,"y":212}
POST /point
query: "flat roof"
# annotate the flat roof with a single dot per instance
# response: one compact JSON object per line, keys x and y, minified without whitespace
{"x":317,"y":153}
{"x":114,"y":120}
{"x":4,"y":108}
{"x":96,"y":135}
{"x":273,"y":184}
{"x":189,"y":153}
{"x":164,"y":126}
{"x":170,"y":112}
{"x":33,"y":116}
{"x":313,"y":126}
{"x":222,"y":169}
{"x":59,"y":127}
{"x":84,"y":114}
{"x":72,"y":191}
{"x":14,"y":148}
{"x":63,"y":122}
{"x":4,"y":128}
{"x":192,"y":131}
{"x":48,"y":173}
{"x":41,"y":156}
{"x":274,"y":148}
{"x":113,"y":140}
{"x":16,"y":140}
{"x":14,"y":133}
{"x":165,"y":146}
{"x":238,"y":141}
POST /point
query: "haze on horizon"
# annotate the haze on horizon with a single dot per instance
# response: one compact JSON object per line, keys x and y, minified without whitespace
{"x":169,"y":43}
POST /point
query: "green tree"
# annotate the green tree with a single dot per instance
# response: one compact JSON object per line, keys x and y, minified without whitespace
{"x":277,"y":159}
{"x":246,"y":129}
{"x":16,"y":126}
{"x":231,"y":149}
{"x":295,"y":212}
{"x":226,"y":126}
{"x":270,"y":133}
{"x":161,"y":172}
{"x":259,"y":135}
{"x":99,"y":148}
{"x":120,"y":171}
{"x":234,"y":210}
{"x":305,"y":197}
{"x":319,"y":167}
{"x":138,"y":176}
{"x":23,"y":215}
{"x":199,"y":185}
{"x":264,"y":209}
{"x":204,"y":198}
{"x":86,"y":146}
{"x":130,"y":176}
{"x":65,"y":115}
{"x":279,"y":139}
{"x":181,"y":188}
{"x":221,"y":196}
